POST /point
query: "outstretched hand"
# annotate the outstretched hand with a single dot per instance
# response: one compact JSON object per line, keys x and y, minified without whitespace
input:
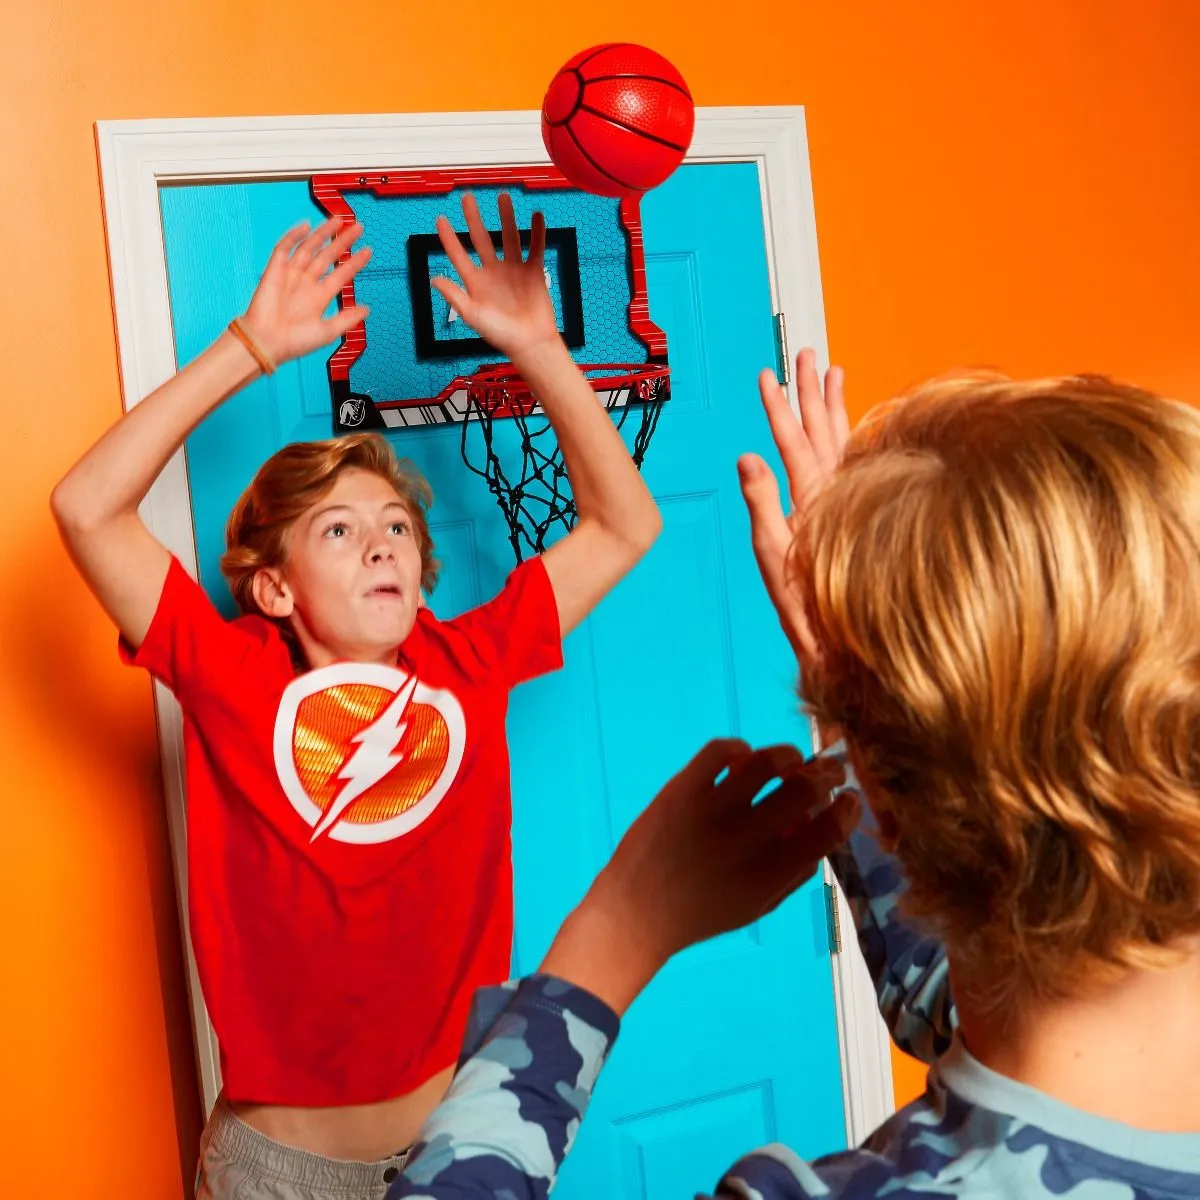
{"x":287,"y":314}
{"x":704,"y":858}
{"x":811,"y":447}
{"x":504,"y":299}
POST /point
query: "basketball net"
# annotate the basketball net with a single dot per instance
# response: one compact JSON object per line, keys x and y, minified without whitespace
{"x":535,"y":495}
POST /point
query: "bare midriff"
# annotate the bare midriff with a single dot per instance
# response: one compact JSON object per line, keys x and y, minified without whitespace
{"x":356,"y":1132}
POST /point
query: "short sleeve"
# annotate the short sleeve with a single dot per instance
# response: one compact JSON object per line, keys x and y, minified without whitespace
{"x":516,"y":634}
{"x":189,"y":646}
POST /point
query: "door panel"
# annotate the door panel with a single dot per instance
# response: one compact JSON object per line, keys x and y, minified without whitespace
{"x":735,"y":1043}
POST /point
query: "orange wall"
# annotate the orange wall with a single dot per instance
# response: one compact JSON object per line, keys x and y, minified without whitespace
{"x":1011,"y":184}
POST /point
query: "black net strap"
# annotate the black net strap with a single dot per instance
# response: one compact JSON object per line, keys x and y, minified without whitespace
{"x":535,"y":496}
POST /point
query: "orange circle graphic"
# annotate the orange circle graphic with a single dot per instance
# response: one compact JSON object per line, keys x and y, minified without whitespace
{"x":322,"y":744}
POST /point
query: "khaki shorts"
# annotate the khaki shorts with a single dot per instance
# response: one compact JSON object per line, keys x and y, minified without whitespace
{"x":239,"y":1163}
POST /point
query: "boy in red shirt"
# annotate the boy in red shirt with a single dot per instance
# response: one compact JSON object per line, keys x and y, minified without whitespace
{"x":350,"y":876}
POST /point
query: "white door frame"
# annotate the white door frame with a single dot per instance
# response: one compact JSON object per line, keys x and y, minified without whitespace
{"x":136,"y":157}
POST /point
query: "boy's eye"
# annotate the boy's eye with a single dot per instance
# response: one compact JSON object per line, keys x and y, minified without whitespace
{"x":399,"y":528}
{"x":336,"y":530}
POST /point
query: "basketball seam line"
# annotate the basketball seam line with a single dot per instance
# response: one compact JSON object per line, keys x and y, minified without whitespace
{"x":607,"y":174}
{"x":649,"y":78}
{"x":596,"y":53}
{"x":578,"y":100}
{"x":632,"y":129}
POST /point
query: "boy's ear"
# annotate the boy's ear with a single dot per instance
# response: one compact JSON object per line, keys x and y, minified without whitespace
{"x":272,"y":594}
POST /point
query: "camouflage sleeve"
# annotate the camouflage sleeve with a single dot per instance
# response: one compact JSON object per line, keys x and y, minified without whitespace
{"x":777,"y":1173}
{"x":910,"y":971}
{"x":530,"y":1059}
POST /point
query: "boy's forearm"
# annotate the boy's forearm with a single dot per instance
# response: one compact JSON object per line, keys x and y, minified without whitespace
{"x":501,"y":1132}
{"x":606,"y":484}
{"x":113,"y":477}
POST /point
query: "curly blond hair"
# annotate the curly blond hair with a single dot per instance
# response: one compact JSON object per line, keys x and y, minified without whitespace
{"x":1003,"y":578}
{"x":295,"y":478}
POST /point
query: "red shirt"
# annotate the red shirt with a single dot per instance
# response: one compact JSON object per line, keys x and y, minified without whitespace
{"x":349,"y":858}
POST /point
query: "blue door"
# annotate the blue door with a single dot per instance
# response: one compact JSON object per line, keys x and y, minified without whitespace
{"x":735,"y":1044}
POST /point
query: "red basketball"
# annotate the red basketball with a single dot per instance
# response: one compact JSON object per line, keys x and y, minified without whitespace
{"x":617,"y":119}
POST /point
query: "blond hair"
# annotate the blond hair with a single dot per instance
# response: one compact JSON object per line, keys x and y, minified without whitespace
{"x":295,"y":478}
{"x":1003,"y":578}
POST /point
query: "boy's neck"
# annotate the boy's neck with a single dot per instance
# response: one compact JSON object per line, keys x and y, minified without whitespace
{"x":309,"y":654}
{"x":1131,"y":1053}
{"x":324,"y":656}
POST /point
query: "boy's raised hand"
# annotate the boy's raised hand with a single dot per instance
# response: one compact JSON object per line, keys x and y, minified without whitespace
{"x":303,"y":275}
{"x":811,"y":447}
{"x":504,"y":299}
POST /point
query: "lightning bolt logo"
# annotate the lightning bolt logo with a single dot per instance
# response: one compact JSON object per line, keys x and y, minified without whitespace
{"x":375,"y":757}
{"x":324,"y":763}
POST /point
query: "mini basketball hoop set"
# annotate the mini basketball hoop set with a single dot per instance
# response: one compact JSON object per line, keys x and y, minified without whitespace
{"x":415,"y":365}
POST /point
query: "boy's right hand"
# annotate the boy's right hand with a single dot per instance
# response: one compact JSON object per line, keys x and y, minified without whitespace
{"x":705,"y":857}
{"x":504,"y":298}
{"x":287,"y":314}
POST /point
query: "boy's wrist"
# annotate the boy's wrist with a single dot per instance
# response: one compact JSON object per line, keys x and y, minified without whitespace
{"x":240,"y":361}
{"x":549,"y":351}
{"x":601,"y":950}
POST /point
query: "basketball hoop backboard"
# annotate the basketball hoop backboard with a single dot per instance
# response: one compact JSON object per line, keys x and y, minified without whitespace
{"x":410,"y":365}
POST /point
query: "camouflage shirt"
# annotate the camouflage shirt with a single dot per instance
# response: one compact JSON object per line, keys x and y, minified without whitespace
{"x":535,"y":1048}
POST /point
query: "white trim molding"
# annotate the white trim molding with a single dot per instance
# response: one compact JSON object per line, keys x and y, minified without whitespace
{"x":138,"y":157}
{"x":863,"y":1040}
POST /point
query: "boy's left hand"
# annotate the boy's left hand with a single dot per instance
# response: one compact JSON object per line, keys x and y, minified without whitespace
{"x":811,"y":446}
{"x":505,"y":298}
